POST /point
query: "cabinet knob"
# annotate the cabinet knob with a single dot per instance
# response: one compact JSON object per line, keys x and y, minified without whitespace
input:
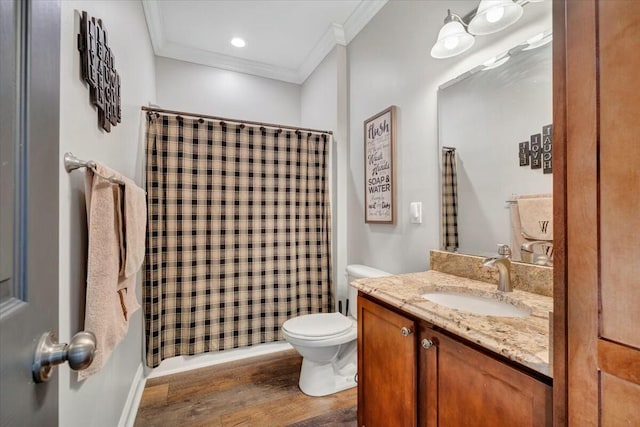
{"x":427,"y":344}
{"x":406,"y":331}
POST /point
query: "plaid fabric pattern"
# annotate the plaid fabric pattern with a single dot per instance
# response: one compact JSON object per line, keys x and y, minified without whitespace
{"x":449,"y":201}
{"x":238,"y":236}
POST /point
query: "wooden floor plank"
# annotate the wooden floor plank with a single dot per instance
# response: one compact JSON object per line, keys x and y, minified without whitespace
{"x":261,"y":391}
{"x":249,"y":378}
{"x":346,"y":417}
{"x":291,"y":409}
{"x":155,"y":396}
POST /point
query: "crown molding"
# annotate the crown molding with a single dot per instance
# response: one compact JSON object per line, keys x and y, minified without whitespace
{"x":154,"y":23}
{"x":360,"y":17}
{"x":332,"y":37}
{"x":204,"y":57}
{"x":340,"y":35}
{"x":335,"y":35}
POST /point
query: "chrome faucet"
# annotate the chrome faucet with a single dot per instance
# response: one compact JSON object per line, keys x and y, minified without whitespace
{"x":528,"y":254}
{"x":503,"y":262}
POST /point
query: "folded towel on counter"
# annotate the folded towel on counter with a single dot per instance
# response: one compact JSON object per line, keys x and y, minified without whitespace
{"x":536,"y":217}
{"x":517,"y":237}
{"x":116,"y":217}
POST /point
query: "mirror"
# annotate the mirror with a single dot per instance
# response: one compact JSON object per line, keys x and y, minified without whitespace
{"x":483,"y":115}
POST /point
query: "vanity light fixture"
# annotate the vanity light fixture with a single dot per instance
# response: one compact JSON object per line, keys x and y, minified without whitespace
{"x":493,"y":16}
{"x":489,"y":17}
{"x":238,"y":42}
{"x":453,"y":39}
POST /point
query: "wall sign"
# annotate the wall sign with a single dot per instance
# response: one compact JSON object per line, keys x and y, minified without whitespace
{"x":538,"y":152}
{"x":547,"y":143}
{"x":379,"y":173}
{"x":523,"y":153}
{"x":98,"y":70}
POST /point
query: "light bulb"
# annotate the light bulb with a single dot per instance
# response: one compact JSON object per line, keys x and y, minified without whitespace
{"x":495,"y":14}
{"x":451,"y":43}
{"x":238,"y":42}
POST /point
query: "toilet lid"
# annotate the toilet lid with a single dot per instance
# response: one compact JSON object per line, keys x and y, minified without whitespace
{"x":318,"y":325}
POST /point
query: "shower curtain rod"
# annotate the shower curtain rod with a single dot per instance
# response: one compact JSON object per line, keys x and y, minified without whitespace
{"x":249,"y":122}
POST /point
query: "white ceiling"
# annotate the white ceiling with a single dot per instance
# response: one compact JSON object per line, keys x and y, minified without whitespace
{"x":286,"y":39}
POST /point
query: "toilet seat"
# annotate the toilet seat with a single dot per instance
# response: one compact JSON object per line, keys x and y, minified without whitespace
{"x":318,"y":326}
{"x":320,"y":330}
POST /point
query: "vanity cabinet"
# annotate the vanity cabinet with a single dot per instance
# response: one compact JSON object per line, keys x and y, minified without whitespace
{"x":465,"y":387}
{"x":387,"y":367}
{"x":428,"y":378}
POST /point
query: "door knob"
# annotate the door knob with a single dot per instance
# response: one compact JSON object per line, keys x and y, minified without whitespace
{"x":405,"y":331}
{"x":427,"y":343}
{"x":79,"y":353}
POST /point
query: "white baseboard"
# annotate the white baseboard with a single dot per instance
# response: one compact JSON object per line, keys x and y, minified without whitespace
{"x":187,"y":363}
{"x":130,"y":410}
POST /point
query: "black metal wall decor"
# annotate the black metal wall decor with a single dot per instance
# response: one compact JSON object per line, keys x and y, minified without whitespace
{"x":523,"y":153}
{"x":538,"y":151}
{"x":98,"y":70}
{"x":536,"y":154}
{"x":547,"y":143}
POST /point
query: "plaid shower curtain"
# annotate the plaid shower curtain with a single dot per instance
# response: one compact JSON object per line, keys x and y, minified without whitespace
{"x":449,"y":200}
{"x":238,"y":236}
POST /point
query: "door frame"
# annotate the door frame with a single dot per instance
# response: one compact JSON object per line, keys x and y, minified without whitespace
{"x":559,"y":356}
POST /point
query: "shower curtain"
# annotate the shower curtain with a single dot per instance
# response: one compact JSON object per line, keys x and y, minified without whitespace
{"x":449,"y":200}
{"x":238,"y":235}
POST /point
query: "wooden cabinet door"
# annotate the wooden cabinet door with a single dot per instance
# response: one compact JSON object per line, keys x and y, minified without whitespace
{"x":387,"y":370}
{"x":476,"y":390}
{"x":602,"y":188}
{"x":428,"y":376}
{"x":619,"y":95}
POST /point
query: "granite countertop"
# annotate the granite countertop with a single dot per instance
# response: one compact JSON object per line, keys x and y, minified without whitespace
{"x":524,"y":340}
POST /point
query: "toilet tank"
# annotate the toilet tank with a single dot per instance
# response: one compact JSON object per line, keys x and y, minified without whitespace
{"x":354,"y":272}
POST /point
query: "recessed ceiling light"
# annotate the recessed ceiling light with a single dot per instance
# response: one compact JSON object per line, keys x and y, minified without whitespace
{"x":238,"y":42}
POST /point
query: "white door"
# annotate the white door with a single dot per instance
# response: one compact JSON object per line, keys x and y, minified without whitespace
{"x":29,"y":164}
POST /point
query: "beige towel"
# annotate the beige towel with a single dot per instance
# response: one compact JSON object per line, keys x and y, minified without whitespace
{"x":536,"y":217}
{"x":133,"y":218}
{"x":517,"y":239}
{"x":110,"y":297}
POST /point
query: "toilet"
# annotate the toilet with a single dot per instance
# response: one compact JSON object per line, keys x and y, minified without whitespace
{"x":327,"y":342}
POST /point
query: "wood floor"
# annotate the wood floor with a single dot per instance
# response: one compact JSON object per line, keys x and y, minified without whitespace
{"x":261,"y":391}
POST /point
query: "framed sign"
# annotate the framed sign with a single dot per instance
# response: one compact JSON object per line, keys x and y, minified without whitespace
{"x":379,"y":171}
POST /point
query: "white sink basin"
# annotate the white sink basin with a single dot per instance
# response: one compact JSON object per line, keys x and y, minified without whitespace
{"x":476,"y":304}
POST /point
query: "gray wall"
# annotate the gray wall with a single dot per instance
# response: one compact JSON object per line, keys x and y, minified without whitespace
{"x":206,"y":90}
{"x":99,"y":400}
{"x":323,"y":105}
{"x":389,"y":64}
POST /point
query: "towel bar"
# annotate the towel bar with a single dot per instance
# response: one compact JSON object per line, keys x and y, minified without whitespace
{"x":72,"y":163}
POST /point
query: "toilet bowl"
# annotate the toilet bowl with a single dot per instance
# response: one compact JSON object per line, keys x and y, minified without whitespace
{"x":327,"y":343}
